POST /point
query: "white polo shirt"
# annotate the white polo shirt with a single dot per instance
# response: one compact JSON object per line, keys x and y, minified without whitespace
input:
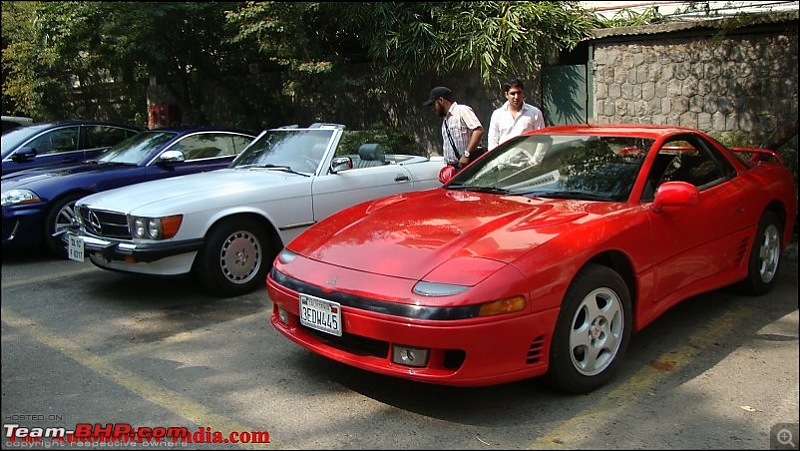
{"x":503,"y":125}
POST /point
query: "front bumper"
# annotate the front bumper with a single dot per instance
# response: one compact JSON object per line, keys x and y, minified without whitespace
{"x":23,"y":226}
{"x":463,"y":352}
{"x":159,"y":258}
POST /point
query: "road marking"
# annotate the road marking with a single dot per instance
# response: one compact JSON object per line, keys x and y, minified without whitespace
{"x":644,"y":379}
{"x":192,"y":411}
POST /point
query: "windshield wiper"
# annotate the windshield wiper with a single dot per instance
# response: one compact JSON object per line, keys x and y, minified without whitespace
{"x":115,"y":163}
{"x":479,"y":189}
{"x":278,"y":167}
{"x":566,"y":195}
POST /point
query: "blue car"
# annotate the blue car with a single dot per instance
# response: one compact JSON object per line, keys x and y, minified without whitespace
{"x":61,"y":142}
{"x":38,"y":203}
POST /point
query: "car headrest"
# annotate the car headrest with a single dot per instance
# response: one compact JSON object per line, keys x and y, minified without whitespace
{"x":371,"y":152}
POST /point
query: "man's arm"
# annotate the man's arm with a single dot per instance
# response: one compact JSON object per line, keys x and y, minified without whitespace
{"x":475,"y":139}
{"x":494,"y":132}
{"x":538,"y":118}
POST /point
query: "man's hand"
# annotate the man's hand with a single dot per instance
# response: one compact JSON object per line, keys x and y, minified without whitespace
{"x":463,"y":162}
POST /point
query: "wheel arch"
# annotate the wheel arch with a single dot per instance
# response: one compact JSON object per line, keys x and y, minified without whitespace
{"x":51,"y":214}
{"x":272,"y":233}
{"x":82,"y":192}
{"x":56,"y":201}
{"x":623,"y":266}
{"x":779,"y":209}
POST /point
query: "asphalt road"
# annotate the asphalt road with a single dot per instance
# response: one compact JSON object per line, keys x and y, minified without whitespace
{"x":83,"y":345}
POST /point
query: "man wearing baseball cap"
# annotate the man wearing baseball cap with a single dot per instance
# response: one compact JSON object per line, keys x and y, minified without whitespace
{"x":462,"y":132}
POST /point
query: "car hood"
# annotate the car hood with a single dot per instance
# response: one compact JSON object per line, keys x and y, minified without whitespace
{"x":421,"y":231}
{"x":195,"y":192}
{"x":33,"y":178}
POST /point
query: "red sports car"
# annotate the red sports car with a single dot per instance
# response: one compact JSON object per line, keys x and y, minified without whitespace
{"x":540,"y":258}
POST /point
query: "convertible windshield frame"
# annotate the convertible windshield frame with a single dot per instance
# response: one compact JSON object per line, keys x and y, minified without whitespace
{"x":296,"y":150}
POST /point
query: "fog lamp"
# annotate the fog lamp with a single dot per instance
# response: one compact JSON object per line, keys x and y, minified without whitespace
{"x":283,"y":316}
{"x":408,"y":356}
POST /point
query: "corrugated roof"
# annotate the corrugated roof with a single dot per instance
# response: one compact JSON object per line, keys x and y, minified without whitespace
{"x":738,"y":21}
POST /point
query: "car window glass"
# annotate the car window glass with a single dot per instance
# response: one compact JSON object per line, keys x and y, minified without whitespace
{"x":297,"y":149}
{"x":564,"y":166}
{"x":16,"y":137}
{"x":687,"y":159}
{"x":210,"y":145}
{"x":239,"y":143}
{"x":57,"y":141}
{"x":138,"y":149}
{"x":102,"y":136}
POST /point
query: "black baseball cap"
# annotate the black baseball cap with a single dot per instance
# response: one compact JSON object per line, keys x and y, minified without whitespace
{"x":439,"y":91}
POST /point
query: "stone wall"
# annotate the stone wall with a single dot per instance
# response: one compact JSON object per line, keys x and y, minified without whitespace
{"x":721,"y":83}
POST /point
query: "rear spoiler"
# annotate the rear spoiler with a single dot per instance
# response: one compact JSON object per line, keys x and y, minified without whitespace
{"x":759,"y":155}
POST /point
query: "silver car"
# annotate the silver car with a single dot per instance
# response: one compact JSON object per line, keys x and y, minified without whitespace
{"x":227,"y":226}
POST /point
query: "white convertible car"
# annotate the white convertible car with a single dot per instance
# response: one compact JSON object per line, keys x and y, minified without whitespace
{"x":228,"y":225}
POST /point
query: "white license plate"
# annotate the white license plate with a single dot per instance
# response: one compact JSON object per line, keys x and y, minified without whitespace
{"x":321,"y":314}
{"x":75,"y":248}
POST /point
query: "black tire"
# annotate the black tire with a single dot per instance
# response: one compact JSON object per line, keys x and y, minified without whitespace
{"x":592,"y":332}
{"x":764,"y":263}
{"x":60,"y":217}
{"x":235,"y":258}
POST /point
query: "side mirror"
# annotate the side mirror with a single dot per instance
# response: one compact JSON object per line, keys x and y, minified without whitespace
{"x":675,"y":194}
{"x":24,"y":154}
{"x":171,"y":156}
{"x":341,"y":164}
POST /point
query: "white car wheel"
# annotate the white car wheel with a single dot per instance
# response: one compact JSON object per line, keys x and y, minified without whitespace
{"x":235,"y":257}
{"x":240,"y":256}
{"x":592,"y":331}
{"x":765,"y":256}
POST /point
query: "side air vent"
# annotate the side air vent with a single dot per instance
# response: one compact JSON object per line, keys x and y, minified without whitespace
{"x":535,"y":351}
{"x":742,"y":252}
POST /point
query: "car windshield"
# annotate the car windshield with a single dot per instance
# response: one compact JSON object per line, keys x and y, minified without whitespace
{"x":559,"y":166}
{"x":136,"y":150}
{"x":294,"y":149}
{"x":17,"y":136}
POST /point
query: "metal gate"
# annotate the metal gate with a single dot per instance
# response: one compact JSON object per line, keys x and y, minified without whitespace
{"x":565,"y":94}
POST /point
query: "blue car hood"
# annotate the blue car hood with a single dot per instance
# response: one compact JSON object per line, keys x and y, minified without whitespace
{"x":36,"y":177}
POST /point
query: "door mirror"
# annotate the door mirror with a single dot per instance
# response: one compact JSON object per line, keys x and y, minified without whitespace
{"x":341,"y":164}
{"x":675,"y":194}
{"x":24,"y":154}
{"x":171,"y":156}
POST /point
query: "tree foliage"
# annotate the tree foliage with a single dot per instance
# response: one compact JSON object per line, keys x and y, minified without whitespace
{"x":495,"y":38}
{"x":630,"y":18}
{"x":71,"y":59}
{"x":405,"y":39}
{"x":59,"y":58}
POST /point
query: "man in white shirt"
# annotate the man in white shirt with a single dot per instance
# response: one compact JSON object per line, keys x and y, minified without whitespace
{"x":515,"y":116}
{"x":462,"y":131}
